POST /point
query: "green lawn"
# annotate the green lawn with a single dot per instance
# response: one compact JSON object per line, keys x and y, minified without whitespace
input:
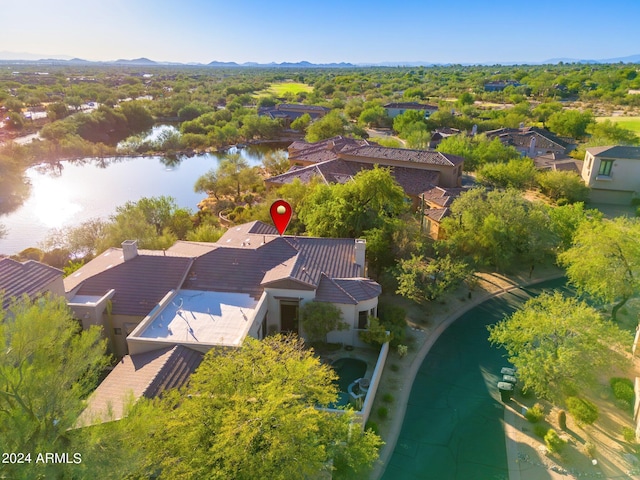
{"x":280,"y":89}
{"x":630,"y":123}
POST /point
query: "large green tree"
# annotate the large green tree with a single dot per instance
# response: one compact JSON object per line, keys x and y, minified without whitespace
{"x":47,"y":367}
{"x":350,"y":209}
{"x":234,"y":175}
{"x":422,"y":279}
{"x":604,"y":260}
{"x":571,"y":123}
{"x":552,"y":339}
{"x":498,"y":228}
{"x":252,"y":412}
{"x":328,"y":126}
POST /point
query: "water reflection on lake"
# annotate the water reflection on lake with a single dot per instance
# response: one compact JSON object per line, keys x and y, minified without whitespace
{"x":69,"y":193}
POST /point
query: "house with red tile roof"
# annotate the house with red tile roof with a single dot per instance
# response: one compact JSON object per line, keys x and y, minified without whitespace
{"x":339,"y":159}
{"x":29,"y":278}
{"x":252,"y":281}
{"x":435,"y":203}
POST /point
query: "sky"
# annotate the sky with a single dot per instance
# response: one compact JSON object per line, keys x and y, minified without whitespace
{"x":459,"y":31}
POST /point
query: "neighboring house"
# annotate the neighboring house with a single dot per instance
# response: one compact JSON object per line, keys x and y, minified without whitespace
{"x":398,"y":108}
{"x":498,"y":86}
{"x":532,"y":141}
{"x":435,"y":205}
{"x":339,"y":159}
{"x":558,"y":162}
{"x":29,"y":278}
{"x":288,"y":112}
{"x":440,"y":134}
{"x":204,"y":295}
{"x":612,"y":173}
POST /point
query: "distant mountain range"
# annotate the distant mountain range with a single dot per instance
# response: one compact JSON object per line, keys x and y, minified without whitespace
{"x":35,"y":59}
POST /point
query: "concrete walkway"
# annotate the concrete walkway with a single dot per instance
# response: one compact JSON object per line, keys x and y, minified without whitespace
{"x":496,"y":286}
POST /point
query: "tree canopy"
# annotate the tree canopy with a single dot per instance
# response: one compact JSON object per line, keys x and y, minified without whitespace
{"x":551,"y":339}
{"x":251,"y":412}
{"x":350,"y":209}
{"x":604,"y":260}
{"x":47,"y":367}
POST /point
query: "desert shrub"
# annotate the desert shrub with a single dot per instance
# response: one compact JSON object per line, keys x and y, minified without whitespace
{"x":383,"y":412}
{"x":590,"y":449}
{"x":535,"y":413}
{"x":582,"y":410}
{"x":629,"y":434}
{"x":373,"y":426}
{"x":562,"y":419}
{"x":387,"y":398}
{"x":623,"y":389}
{"x":553,"y":441}
{"x":393,"y":319}
{"x":540,"y":430}
{"x":402,"y":350}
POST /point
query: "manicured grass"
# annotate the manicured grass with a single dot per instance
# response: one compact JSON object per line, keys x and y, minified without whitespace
{"x":280,"y":89}
{"x":630,"y":123}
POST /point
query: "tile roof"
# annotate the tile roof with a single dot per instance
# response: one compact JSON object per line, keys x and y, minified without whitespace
{"x":350,"y":291}
{"x":428,"y":157}
{"x":142,"y":375}
{"x":29,"y":278}
{"x":413,"y":181}
{"x":250,"y":268}
{"x":140,"y":283}
{"x":621,"y":152}
{"x":437,"y":214}
{"x":521,"y":137}
{"x":442,"y":197}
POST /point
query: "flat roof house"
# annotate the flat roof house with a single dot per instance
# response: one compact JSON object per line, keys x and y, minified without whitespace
{"x":613,"y":173}
{"x":202,"y":295}
{"x":163,"y":310}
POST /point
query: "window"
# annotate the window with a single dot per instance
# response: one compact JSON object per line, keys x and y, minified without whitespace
{"x":605,"y":168}
{"x":363,"y":319}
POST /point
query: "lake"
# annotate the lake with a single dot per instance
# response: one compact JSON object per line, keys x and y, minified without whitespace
{"x":67,"y":194}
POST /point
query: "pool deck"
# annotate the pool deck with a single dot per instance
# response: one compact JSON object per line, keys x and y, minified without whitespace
{"x":494,"y":285}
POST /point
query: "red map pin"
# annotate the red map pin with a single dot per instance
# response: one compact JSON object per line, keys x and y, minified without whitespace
{"x":281,"y":215}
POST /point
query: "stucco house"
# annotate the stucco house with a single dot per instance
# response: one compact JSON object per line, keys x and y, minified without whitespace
{"x":398,"y":108}
{"x":29,"y":278}
{"x":435,"y":207}
{"x":533,"y":142}
{"x":339,"y":159}
{"x":203,"y":295}
{"x":613,"y":173}
{"x":162,"y":310}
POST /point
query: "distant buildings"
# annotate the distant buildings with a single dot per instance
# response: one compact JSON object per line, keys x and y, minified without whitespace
{"x":288,"y":112}
{"x":500,"y":85}
{"x":532,"y":141}
{"x":398,"y":108}
{"x":339,"y":159}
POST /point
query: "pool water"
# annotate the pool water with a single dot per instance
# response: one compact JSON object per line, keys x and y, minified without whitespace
{"x":348,"y":370}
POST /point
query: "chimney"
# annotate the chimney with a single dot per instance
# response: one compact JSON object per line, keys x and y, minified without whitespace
{"x":129,"y":249}
{"x":360,"y":247}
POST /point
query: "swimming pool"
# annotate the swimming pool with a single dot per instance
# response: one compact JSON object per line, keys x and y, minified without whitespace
{"x":349,"y":370}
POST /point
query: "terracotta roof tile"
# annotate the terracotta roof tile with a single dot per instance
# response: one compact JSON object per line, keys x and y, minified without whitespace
{"x":146,"y":374}
{"x":140,"y":283}
{"x":29,"y":278}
